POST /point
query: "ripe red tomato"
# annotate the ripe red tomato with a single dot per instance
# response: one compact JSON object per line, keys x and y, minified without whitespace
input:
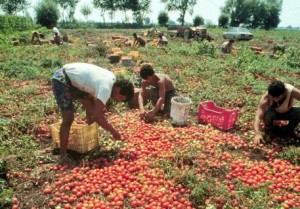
{"x":47,"y":190}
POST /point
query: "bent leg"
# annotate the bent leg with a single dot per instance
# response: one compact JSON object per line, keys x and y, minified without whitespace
{"x":269,"y":117}
{"x":168,"y":97}
{"x":64,"y":101}
{"x":294,"y":118}
{"x":67,"y":120}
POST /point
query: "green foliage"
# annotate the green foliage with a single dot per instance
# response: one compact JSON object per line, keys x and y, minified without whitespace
{"x":198,"y":20}
{"x":257,"y":198}
{"x":50,"y":63}
{"x":9,"y":23}
{"x":293,"y":57}
{"x":5,"y":194}
{"x":181,"y":6}
{"x":86,"y":10}
{"x":47,"y":13}
{"x":205,"y":48}
{"x":163,"y":18}
{"x":102,"y":49}
{"x":291,"y":154}
{"x":201,"y":191}
{"x":21,"y":69}
{"x":223,"y":20}
{"x":255,"y":13}
{"x":67,"y":5}
{"x":197,"y":48}
{"x":13,"y":6}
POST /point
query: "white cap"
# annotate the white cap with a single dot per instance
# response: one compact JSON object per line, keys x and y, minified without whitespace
{"x":55,"y":30}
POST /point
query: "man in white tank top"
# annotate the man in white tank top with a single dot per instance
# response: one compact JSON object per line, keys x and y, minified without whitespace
{"x":91,"y":86}
{"x":277,"y":104}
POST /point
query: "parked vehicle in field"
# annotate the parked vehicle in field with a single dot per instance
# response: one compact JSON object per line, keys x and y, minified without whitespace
{"x":238,"y":33}
{"x":188,"y":32}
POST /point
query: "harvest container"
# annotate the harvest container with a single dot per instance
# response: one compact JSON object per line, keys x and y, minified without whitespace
{"x":219,"y":117}
{"x":82,"y":139}
{"x":180,"y":107}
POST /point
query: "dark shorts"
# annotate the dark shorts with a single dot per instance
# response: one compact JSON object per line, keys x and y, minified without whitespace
{"x":64,"y":93}
{"x":152,"y":94}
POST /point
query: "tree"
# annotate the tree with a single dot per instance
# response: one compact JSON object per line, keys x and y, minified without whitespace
{"x":273,"y":8}
{"x":198,"y":21}
{"x":163,"y":18}
{"x":47,"y":13}
{"x":255,"y":13}
{"x":147,"y":20}
{"x":223,"y":20}
{"x":106,"y":5}
{"x":182,"y":6}
{"x":13,"y":6}
{"x":69,"y":6}
{"x":140,"y":9}
{"x":86,"y":10}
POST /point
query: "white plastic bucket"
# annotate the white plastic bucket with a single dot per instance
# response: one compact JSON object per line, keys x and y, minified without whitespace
{"x":180,"y":107}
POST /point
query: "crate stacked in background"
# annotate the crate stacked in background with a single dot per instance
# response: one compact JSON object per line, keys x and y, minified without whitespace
{"x":219,"y":117}
{"x":82,"y":138}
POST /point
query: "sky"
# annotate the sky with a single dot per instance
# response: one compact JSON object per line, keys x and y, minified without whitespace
{"x":208,"y":9}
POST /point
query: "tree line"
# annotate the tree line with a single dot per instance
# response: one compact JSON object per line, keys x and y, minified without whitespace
{"x":252,"y":13}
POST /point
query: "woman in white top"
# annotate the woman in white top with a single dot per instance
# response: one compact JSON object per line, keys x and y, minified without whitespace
{"x":277,"y":104}
{"x":92,"y":86}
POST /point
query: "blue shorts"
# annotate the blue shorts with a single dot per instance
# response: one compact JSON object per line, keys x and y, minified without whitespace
{"x":64,"y":93}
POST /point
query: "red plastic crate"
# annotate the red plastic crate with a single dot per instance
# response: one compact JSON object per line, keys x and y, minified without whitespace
{"x":219,"y":117}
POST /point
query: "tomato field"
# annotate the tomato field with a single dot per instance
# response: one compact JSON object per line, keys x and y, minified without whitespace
{"x":157,"y":165}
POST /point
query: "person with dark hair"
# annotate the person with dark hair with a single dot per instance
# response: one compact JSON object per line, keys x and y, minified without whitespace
{"x":92,"y":86}
{"x":35,"y":37}
{"x":277,"y":104}
{"x":138,"y":41}
{"x":162,"y":40}
{"x":57,"y":39}
{"x":157,"y":88}
{"x":227,"y":46}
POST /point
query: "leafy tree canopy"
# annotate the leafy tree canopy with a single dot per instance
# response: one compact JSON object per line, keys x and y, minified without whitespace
{"x":47,"y":13}
{"x":13,"y":6}
{"x":183,"y":6}
{"x":198,"y":20}
{"x":255,"y":13}
{"x":163,"y":18}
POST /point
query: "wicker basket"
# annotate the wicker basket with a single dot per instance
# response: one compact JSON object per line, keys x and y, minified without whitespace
{"x":82,"y":139}
{"x":134,"y":55}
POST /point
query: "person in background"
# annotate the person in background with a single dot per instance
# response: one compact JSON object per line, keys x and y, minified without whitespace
{"x":162,"y":39}
{"x":35,"y":37}
{"x":278,"y":50}
{"x":57,"y":39}
{"x":138,"y":41}
{"x":227,"y":46}
{"x":157,"y":88}
{"x":277,"y":104}
{"x":55,"y":30}
{"x":92,"y":86}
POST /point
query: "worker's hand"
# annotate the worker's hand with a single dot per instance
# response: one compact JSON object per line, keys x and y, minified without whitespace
{"x":257,"y":139}
{"x":143,"y":114}
{"x":116,"y":135}
{"x":150,"y":116}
